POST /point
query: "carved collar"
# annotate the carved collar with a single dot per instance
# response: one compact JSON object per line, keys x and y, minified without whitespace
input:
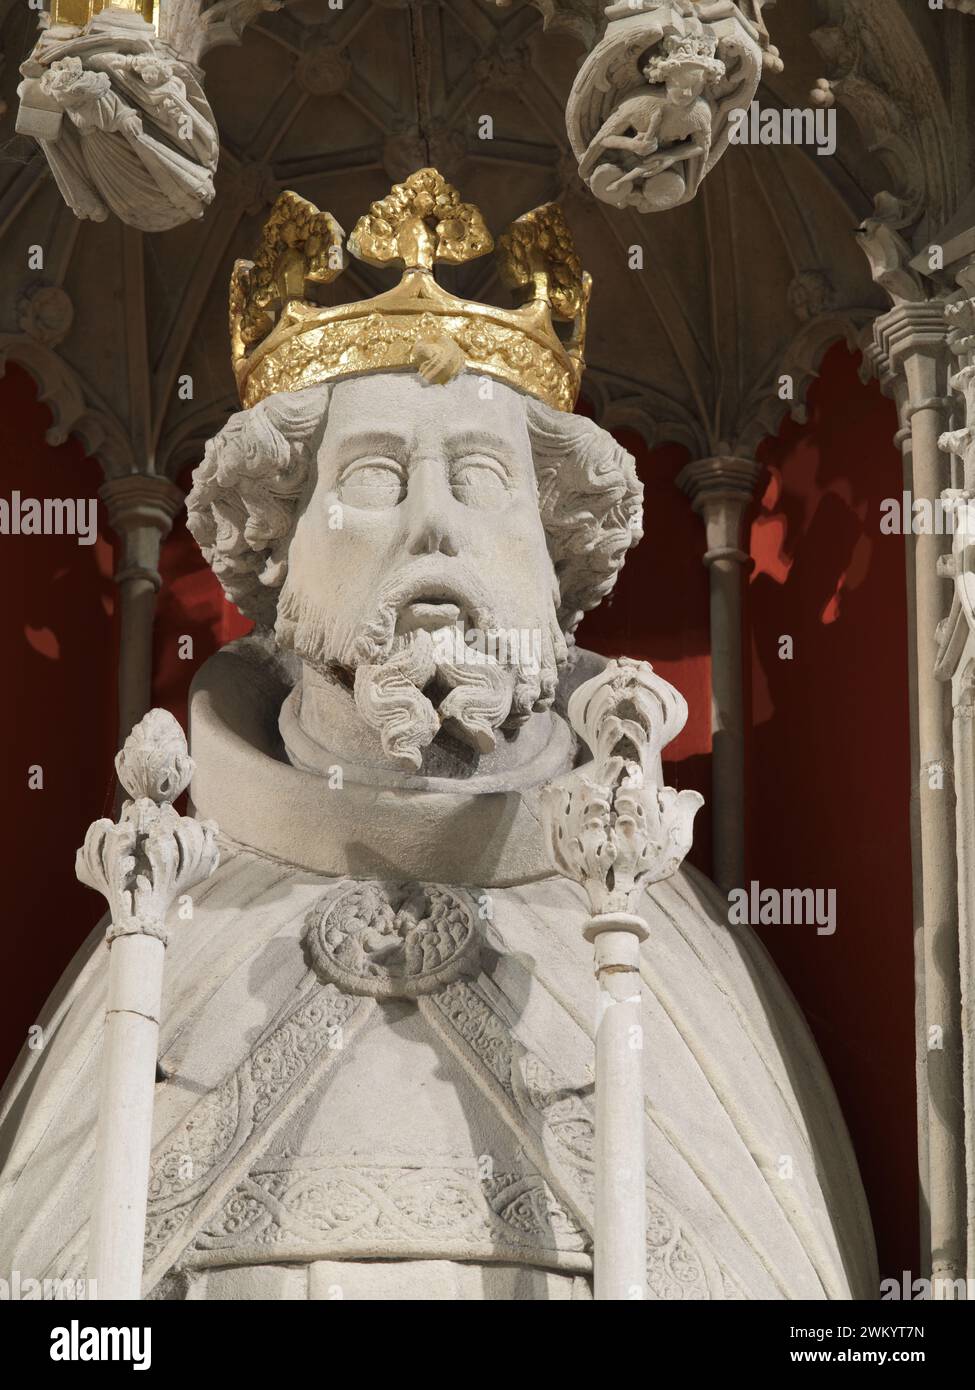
{"x":243,"y":781}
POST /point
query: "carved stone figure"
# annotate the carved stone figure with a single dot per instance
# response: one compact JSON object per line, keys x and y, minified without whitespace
{"x":122,"y":122}
{"x":652,"y":150}
{"x":649,"y":110}
{"x":376,"y":1049}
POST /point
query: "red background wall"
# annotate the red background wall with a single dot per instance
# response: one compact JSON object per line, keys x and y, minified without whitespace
{"x":828,"y":769}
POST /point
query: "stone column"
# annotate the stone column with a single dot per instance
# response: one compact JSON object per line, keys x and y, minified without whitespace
{"x":911,"y":341}
{"x":964,"y":748}
{"x":620,"y":1246}
{"x":721,"y":490}
{"x":957,"y":664}
{"x":141,"y":508}
{"x":895,"y":387}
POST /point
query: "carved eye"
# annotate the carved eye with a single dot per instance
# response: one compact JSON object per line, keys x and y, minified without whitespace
{"x":373,"y":484}
{"x":478,"y":480}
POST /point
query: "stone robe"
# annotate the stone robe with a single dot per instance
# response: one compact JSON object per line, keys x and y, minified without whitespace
{"x":337,"y":1117}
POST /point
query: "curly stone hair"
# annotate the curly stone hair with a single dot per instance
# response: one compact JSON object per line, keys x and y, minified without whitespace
{"x":246,"y":494}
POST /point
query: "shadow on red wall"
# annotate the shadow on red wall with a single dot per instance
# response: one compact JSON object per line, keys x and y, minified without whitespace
{"x":829,"y":767}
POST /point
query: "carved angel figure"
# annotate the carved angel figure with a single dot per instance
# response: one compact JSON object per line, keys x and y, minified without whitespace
{"x":652,"y":150}
{"x":123,"y":124}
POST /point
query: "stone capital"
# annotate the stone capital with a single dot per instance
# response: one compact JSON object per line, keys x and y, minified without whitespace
{"x":720,"y":490}
{"x":910,"y":330}
{"x":141,"y":500}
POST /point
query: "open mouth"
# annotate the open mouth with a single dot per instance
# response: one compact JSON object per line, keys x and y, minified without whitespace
{"x":427,"y":613}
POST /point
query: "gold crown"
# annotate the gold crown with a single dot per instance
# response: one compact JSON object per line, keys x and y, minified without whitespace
{"x":282,"y":341}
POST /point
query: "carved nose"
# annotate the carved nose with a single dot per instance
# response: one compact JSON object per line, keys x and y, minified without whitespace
{"x":430,"y":505}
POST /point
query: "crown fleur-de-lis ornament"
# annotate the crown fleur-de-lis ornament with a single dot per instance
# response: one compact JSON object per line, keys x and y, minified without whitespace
{"x":422,"y":220}
{"x":614,"y":829}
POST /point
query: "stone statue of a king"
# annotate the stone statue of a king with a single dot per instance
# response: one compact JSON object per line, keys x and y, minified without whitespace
{"x":375,"y":1075}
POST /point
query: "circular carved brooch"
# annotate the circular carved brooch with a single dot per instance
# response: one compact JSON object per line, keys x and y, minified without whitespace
{"x":393,"y":940}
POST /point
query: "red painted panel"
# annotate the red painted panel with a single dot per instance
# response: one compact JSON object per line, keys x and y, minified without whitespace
{"x":59,"y":711}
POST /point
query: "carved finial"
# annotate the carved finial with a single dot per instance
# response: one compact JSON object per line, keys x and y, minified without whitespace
{"x":611,"y":827}
{"x":628,"y":712}
{"x":154,"y":761}
{"x":537,"y":259}
{"x":299,"y":246}
{"x":421,"y":221}
{"x":142,"y":863}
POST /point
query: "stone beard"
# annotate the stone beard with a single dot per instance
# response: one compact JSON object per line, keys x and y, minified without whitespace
{"x":426,"y":549}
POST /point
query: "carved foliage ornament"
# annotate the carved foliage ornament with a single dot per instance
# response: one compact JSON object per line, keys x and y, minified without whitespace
{"x":885,"y":77}
{"x":612,"y":827}
{"x":154,"y":761}
{"x":561,"y":1119}
{"x":141,"y":864}
{"x":322,"y":69}
{"x":218,"y":1195}
{"x":384,"y":1210}
{"x":959,"y":566}
{"x":537,"y":260}
{"x":960,"y":320}
{"x":217,"y":1138}
{"x":45,"y":313}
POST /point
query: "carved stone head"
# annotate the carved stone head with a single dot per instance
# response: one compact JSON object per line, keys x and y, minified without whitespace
{"x":429,"y":547}
{"x":686,"y":65}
